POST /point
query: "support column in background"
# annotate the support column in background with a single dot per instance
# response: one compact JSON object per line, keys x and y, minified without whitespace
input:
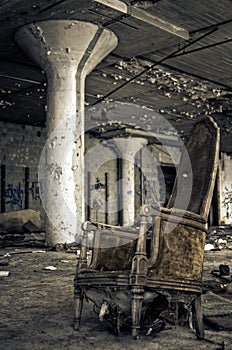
{"x":126,"y":150}
{"x":67,"y":50}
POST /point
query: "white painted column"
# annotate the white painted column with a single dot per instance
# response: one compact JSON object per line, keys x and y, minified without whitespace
{"x":127,"y":150}
{"x":67,"y":51}
{"x":149,"y":165}
{"x":225,"y":189}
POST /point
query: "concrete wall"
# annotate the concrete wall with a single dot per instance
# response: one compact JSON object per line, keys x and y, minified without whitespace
{"x":153,"y":154}
{"x":20,"y":148}
{"x":225,"y":186}
{"x":100,"y":161}
{"x":165,"y":157}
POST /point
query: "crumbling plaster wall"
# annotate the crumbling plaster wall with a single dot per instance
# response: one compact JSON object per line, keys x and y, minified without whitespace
{"x":225,"y":189}
{"x":155,"y":154}
{"x":20,"y":148}
{"x":100,"y":161}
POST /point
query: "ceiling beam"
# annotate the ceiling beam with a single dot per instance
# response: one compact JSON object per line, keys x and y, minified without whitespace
{"x":146,"y":17}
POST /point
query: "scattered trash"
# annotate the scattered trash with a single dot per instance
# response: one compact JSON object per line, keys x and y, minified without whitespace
{"x":4,"y":273}
{"x":65,"y":261}
{"x":221,"y":243}
{"x":157,"y":326}
{"x":224,"y":270}
{"x":7,"y":255}
{"x":51,"y":268}
{"x":72,"y":250}
{"x":39,"y":251}
{"x":220,"y":237}
{"x":209,"y":246}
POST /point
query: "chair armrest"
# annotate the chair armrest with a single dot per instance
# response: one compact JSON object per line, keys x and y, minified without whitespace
{"x":95,"y":226}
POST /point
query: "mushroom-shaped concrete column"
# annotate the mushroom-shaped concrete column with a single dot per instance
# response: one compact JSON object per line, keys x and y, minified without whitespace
{"x":67,"y":51}
{"x":127,"y":149}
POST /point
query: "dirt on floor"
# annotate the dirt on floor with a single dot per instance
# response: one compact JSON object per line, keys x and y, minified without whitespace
{"x":37,"y":308}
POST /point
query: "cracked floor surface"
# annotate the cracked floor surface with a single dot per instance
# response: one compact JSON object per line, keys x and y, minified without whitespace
{"x":37,"y":308}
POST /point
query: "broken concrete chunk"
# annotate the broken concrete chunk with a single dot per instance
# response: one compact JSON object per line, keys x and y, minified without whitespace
{"x":30,"y":227}
{"x":14,"y":221}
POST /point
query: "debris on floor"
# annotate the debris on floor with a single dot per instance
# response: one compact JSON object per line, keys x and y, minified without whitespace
{"x":157,"y":326}
{"x":31,"y":227}
{"x":209,"y":246}
{"x":14,"y":221}
{"x":217,"y":311}
{"x":4,"y":273}
{"x":223,"y":271}
{"x":9,"y":254}
{"x":37,"y":309}
{"x":50,"y":268}
{"x":219,"y":237}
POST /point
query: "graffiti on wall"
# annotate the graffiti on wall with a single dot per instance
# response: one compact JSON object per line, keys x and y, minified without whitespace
{"x":227,"y":202}
{"x":34,"y":189}
{"x":14,"y":195}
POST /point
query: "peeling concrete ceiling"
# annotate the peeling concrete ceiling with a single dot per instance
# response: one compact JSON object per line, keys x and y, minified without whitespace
{"x":180,"y":76}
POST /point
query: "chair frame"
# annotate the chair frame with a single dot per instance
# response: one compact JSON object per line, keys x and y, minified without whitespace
{"x":153,"y":274}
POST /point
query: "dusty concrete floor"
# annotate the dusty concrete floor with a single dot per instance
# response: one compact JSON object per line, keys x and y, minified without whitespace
{"x":37,"y":308}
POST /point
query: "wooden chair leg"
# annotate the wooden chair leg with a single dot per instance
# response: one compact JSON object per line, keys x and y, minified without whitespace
{"x":198,"y":317}
{"x":136,"y":309}
{"x":78,"y":306}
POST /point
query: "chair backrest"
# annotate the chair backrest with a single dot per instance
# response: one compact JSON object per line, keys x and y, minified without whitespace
{"x":202,"y":150}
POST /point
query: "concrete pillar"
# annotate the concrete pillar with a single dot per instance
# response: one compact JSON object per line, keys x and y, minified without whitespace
{"x":127,"y":150}
{"x":225,"y":190}
{"x":67,"y":50}
{"x":150,"y":185}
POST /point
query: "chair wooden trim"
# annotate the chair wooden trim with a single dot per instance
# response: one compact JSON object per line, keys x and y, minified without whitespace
{"x":153,"y":273}
{"x":205,"y":133}
{"x":161,"y":278}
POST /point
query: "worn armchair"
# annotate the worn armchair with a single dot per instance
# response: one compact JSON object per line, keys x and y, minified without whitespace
{"x":162,"y":260}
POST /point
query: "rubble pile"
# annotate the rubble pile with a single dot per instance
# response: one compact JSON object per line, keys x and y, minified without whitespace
{"x":21,"y":228}
{"x":30,"y":235}
{"x":219,"y":237}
